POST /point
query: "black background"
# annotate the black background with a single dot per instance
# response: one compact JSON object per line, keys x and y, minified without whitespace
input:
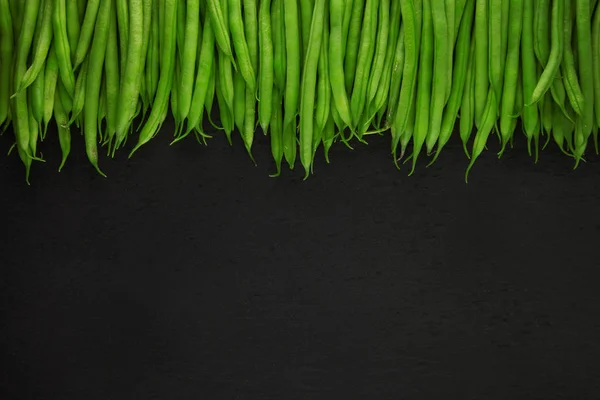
{"x":190,"y":273}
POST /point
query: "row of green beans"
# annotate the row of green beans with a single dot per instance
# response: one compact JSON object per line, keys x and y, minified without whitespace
{"x":309,"y":73}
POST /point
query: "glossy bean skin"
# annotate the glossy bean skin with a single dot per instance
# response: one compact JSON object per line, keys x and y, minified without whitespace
{"x":541,"y":33}
{"x":240,"y":45}
{"x":63,"y":50}
{"x":219,"y":26}
{"x":50,"y":82}
{"x":483,"y":131}
{"x":352,"y":43}
{"x":279,"y":59}
{"x":129,"y":88}
{"x":584,"y":124}
{"x":496,"y":33}
{"x":73,"y":25}
{"x":462,"y":59}
{"x":440,"y":73}
{"x":291,"y":95}
{"x":309,"y":78}
{"x":20,"y":103}
{"x":160,"y":107}
{"x":596,"y":64}
{"x":511,"y":73}
{"x":64,"y":132}
{"x":411,"y":61}
{"x":364,"y":60}
{"x":323,"y":100}
{"x":467,"y":108}
{"x":251,"y":31}
{"x":6,"y":60}
{"x":530,"y":115}
{"x":380,"y":50}
{"x":93,"y":83}
{"x":203,"y":77}
{"x":569,"y":72}
{"x":79,"y":96}
{"x":424,"y":92}
{"x":239,"y":101}
{"x":555,"y":55}
{"x":112,"y":77}
{"x":336,"y":62}
{"x":266,"y":74}
{"x":276,"y":132}
{"x":87,"y":30}
{"x":41,"y":48}
{"x":481,"y":59}
{"x":122,"y":10}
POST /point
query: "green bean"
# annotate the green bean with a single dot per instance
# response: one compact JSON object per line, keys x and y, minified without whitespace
{"x":596,"y":61}
{"x":41,"y":48}
{"x":541,"y":33}
{"x":81,"y":4}
{"x":147,"y":7}
{"x":483,"y":132}
{"x":276,"y":132}
{"x":240,"y":45}
{"x":556,"y":53}
{"x":411,"y":60}
{"x":396,"y":76}
{"x":309,"y":78}
{"x":328,"y":136}
{"x":130,"y":83}
{"x":323,"y":102}
{"x":251,"y":31}
{"x":79,"y":96}
{"x":440,"y":73}
{"x":34,"y":128}
{"x":407,"y":135}
{"x":180,"y":35}
{"x":336,"y":62}
{"x":291,"y":96}
{"x":50,"y":81}
{"x":569,"y":72}
{"x":6,"y":57}
{"x":383,"y":91}
{"x":122,"y":10}
{"x":306,"y":11}
{"x":189,"y":54}
{"x":586,"y":75}
{"x":93,"y":83}
{"x":159,"y":109}
{"x":450,"y":11}
{"x":459,"y":6}
{"x":174,"y":96}
{"x":365,"y":58}
{"x":210,"y":93}
{"x":239,"y":100}
{"x":203,"y":75}
{"x":463,"y":52}
{"x":112,"y":77}
{"x":467,"y":108}
{"x":424,"y":82}
{"x":346,"y":12}
{"x":481,"y":59}
{"x":224,"y":111}
{"x":21,"y":109}
{"x":153,"y":56}
{"x":87,"y":29}
{"x":380,"y":50}
{"x":352,"y":43}
{"x":73,"y":26}
{"x":511,"y":72}
{"x":63,"y":51}
{"x":220,"y":29}
{"x":279,"y":61}
{"x":64,"y":134}
{"x":36,"y":99}
{"x":16,"y":7}
{"x":266,"y":77}
{"x":495,"y":45}
{"x":528,"y":67}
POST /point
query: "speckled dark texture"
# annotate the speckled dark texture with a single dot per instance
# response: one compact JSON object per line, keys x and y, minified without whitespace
{"x":190,"y":274}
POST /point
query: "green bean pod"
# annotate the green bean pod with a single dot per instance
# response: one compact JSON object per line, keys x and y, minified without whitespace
{"x":265,"y":74}
{"x":467,"y":106}
{"x":309,"y":82}
{"x":87,"y":30}
{"x":511,"y":72}
{"x":336,"y":62}
{"x":278,"y":29}
{"x":424,"y":92}
{"x":50,"y":82}
{"x":530,"y":114}
{"x":64,"y":133}
{"x":586,"y":75}
{"x":291,"y":96}
{"x":352,"y":43}
{"x":160,"y":107}
{"x":276,"y":132}
{"x":63,"y":50}
{"x":481,"y":59}
{"x":6,"y":59}
{"x":440,"y":73}
{"x":41,"y":48}
{"x":240,"y":45}
{"x":93,"y":83}
{"x":73,"y":25}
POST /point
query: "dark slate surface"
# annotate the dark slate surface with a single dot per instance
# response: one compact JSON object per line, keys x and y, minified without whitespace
{"x":189,"y":273}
